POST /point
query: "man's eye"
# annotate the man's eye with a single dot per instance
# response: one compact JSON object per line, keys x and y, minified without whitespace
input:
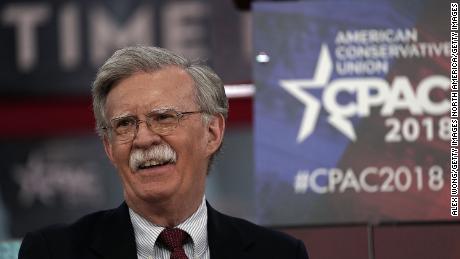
{"x":162,"y":117}
{"x":122,"y":123}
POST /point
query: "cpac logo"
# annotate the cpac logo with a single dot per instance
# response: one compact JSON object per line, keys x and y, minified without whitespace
{"x":369,"y":92}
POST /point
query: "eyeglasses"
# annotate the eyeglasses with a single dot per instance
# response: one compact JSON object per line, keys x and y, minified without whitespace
{"x":162,"y":122}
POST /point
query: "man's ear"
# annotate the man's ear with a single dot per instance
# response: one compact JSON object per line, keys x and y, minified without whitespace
{"x":108,"y":148}
{"x":216,"y":130}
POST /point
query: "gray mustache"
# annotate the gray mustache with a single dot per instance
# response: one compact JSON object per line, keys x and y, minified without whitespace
{"x":159,"y":153}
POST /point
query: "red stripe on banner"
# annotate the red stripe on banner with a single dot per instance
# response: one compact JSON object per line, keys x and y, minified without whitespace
{"x":240,"y":112}
{"x":45,"y":116}
{"x":51,"y":116}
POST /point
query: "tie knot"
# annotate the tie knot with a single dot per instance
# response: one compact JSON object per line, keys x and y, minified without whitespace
{"x":173,"y":238}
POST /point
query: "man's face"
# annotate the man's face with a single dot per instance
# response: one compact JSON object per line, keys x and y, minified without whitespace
{"x":192,"y":140}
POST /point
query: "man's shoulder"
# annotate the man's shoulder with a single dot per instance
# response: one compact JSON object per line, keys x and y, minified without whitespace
{"x":248,"y":228}
{"x":84,"y":225}
{"x":56,"y":240}
{"x":253,"y":238}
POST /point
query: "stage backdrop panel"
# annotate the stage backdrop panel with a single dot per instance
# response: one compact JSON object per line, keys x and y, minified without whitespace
{"x":46,"y":181}
{"x":352,"y":111}
{"x":54,"y":47}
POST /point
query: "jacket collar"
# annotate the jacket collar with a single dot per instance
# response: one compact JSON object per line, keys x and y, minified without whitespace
{"x":114,"y":235}
{"x":225,"y":238}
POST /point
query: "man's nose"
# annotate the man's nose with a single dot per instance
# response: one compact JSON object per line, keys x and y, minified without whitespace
{"x":145,"y":137}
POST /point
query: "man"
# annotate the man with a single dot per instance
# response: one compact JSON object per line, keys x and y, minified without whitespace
{"x":161,"y":119}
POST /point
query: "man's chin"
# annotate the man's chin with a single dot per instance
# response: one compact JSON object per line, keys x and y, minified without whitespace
{"x":156,"y":191}
{"x":157,"y":197}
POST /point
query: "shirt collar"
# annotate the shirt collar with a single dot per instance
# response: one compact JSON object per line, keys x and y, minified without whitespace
{"x":146,"y":233}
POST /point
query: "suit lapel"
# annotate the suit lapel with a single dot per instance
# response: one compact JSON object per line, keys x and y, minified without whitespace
{"x":114,"y":236}
{"x":225,"y":238}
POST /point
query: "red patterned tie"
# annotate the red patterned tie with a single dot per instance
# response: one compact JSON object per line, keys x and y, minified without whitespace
{"x":173,"y":239}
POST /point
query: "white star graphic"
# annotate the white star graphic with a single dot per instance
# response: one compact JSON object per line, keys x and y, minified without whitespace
{"x":321,"y":77}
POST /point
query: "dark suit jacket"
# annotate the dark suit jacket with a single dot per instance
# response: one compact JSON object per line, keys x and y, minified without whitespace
{"x":109,"y":234}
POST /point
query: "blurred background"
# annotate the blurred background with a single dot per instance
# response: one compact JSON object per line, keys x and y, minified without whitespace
{"x":338,"y":131}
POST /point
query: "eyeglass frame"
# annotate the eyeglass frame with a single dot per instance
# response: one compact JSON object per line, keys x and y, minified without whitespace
{"x":179,"y":116}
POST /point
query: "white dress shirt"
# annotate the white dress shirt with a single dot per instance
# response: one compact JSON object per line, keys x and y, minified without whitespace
{"x":146,"y":234}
